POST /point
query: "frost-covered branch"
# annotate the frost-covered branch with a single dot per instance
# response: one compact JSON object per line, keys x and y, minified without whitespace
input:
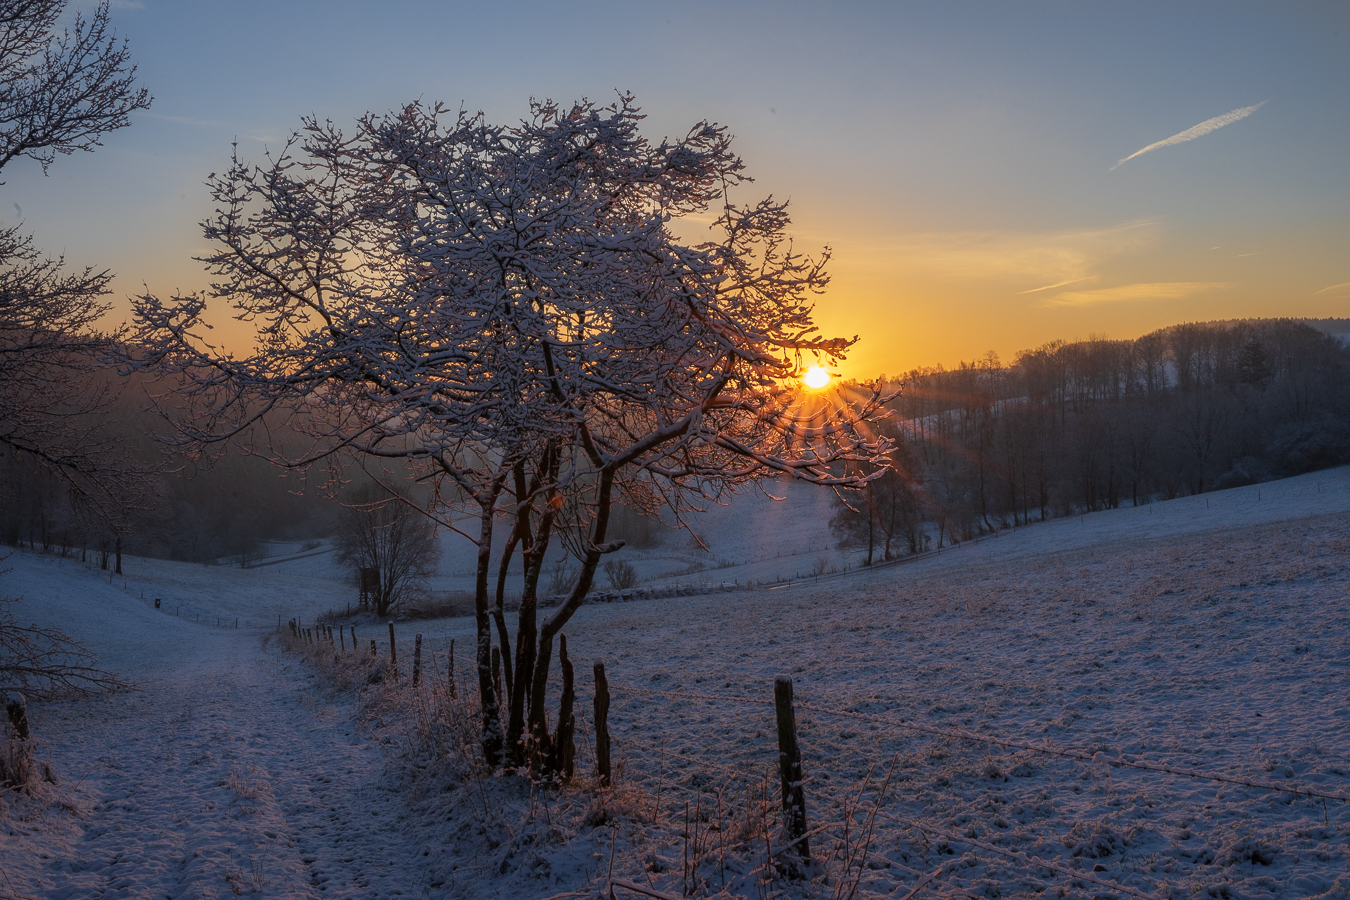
{"x":47,"y":663}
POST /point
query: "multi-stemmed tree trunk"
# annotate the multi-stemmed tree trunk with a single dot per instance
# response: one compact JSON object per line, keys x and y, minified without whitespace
{"x":508,"y":311}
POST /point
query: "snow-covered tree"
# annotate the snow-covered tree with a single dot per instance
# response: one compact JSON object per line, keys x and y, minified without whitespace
{"x":509,"y":309}
{"x":60,"y":91}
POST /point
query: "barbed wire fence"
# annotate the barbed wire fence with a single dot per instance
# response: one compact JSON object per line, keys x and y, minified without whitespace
{"x":834,"y":815}
{"x":704,"y":813}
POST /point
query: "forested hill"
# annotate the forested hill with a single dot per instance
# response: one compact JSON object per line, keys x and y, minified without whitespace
{"x":1330,"y":326}
{"x":1068,"y":427}
{"x":985,"y":445}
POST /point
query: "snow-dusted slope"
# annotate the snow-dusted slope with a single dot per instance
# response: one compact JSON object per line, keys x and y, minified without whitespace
{"x":1209,"y":634}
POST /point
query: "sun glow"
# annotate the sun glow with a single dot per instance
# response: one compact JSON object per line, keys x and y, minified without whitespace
{"x":816,"y":378}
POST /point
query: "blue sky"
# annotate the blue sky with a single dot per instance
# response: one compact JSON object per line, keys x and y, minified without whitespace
{"x":955,"y":156}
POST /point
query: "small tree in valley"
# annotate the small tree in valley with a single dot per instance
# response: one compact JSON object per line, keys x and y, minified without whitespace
{"x":386,"y":534}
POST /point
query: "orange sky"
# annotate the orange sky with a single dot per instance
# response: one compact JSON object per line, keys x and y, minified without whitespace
{"x":964,"y":162}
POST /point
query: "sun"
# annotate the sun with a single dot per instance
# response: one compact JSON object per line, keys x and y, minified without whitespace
{"x":816,"y":378}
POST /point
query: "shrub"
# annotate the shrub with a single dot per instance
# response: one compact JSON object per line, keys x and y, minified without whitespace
{"x":621,"y":574}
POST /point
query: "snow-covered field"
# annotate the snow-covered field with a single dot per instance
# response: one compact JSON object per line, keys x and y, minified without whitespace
{"x":1208,"y":635}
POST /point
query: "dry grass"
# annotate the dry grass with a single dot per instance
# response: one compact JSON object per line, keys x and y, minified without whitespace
{"x":18,"y":771}
{"x":721,"y":835}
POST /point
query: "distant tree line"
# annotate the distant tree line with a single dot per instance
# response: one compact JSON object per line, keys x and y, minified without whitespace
{"x":1090,"y":425}
{"x":173,"y":508}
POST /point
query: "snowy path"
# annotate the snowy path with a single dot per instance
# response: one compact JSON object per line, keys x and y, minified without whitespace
{"x":230,"y":773}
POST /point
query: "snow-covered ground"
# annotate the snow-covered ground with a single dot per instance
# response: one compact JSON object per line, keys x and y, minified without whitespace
{"x":1208,"y":635}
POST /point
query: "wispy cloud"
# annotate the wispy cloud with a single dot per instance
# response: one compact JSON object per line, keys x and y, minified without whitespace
{"x":1337,"y":288}
{"x":1028,"y":262}
{"x":1194,"y":132}
{"x":1163,"y":290}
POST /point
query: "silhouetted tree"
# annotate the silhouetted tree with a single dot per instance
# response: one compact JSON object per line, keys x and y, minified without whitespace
{"x":385,"y":532}
{"x":60,"y":91}
{"x":509,"y":310}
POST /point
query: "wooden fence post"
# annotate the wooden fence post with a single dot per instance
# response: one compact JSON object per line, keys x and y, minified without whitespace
{"x":353,"y":638}
{"x":417,"y":659}
{"x":373,"y":651}
{"x":393,"y":650}
{"x":342,"y":638}
{"x":790,"y":766}
{"x":602,"y":767}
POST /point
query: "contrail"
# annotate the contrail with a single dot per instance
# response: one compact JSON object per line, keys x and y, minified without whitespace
{"x":1191,"y":134}
{"x":1051,"y":287}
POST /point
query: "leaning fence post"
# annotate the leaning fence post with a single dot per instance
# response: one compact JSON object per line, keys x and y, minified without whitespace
{"x":353,"y":638}
{"x":342,"y":638}
{"x":373,"y":651}
{"x":16,"y":707}
{"x":393,"y":651}
{"x":417,"y":659}
{"x":790,"y":766}
{"x":602,"y":768}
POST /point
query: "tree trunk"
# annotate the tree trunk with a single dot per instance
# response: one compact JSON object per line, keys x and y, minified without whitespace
{"x":499,"y":611}
{"x":563,"y":753}
{"x":490,"y":717}
{"x":527,"y":626}
{"x":554,"y":623}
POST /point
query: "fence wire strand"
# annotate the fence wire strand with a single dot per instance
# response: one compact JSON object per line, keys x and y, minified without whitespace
{"x":1020,"y":856}
{"x":1100,"y":757}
